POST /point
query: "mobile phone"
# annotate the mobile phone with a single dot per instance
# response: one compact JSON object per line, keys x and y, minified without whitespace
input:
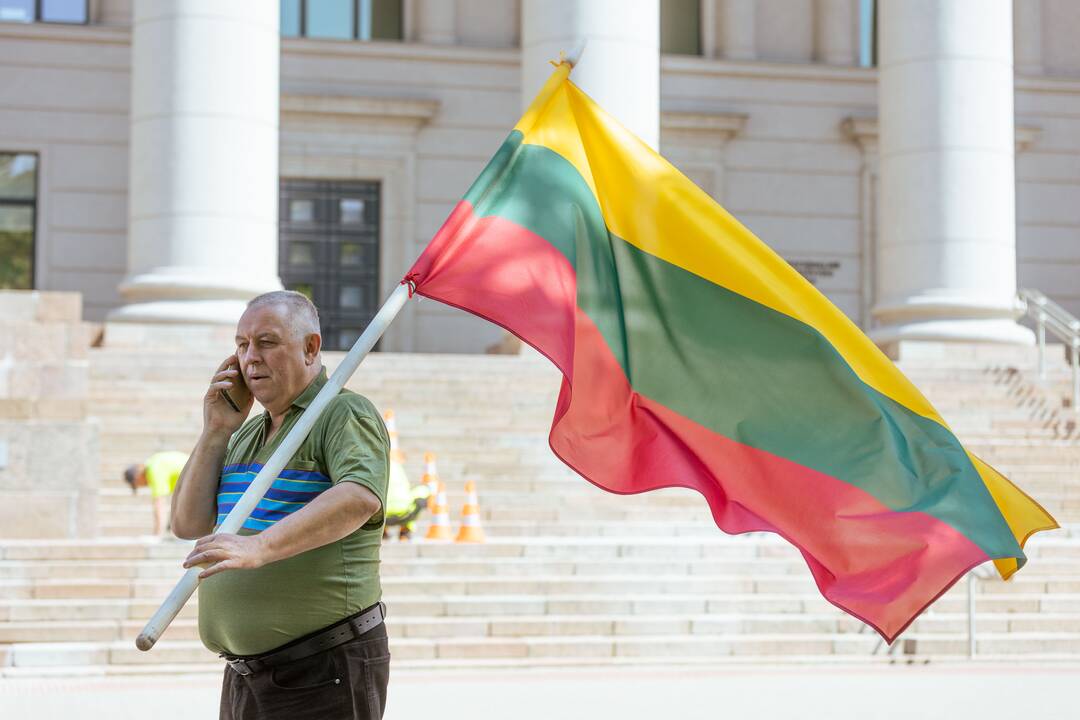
{"x":228,"y":398}
{"x":240,"y":389}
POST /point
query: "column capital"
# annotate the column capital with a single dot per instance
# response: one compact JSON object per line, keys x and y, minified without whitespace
{"x":1026,"y":136}
{"x":863,"y":131}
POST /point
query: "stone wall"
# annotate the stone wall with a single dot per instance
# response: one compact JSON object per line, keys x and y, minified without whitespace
{"x":70,"y":107}
{"x":48,"y":445}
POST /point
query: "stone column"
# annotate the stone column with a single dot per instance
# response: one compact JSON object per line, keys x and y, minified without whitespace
{"x":202,"y":203}
{"x":621,"y":65}
{"x":436,"y":21}
{"x":738,"y":30}
{"x":947,"y":254}
{"x":835,"y":24}
{"x":1028,"y":19}
{"x":707,"y":18}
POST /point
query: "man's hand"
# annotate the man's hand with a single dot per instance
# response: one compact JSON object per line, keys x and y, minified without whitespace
{"x":224,"y":551}
{"x":219,"y":418}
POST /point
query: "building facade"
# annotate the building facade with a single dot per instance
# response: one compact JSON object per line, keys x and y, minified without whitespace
{"x":168,"y":160}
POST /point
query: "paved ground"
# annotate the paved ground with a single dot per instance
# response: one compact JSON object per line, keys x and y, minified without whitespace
{"x":945,"y":692}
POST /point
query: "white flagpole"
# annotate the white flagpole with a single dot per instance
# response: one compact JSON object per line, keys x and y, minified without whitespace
{"x":236,"y":517}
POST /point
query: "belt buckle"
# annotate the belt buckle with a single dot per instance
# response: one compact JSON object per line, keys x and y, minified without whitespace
{"x":240,"y":666}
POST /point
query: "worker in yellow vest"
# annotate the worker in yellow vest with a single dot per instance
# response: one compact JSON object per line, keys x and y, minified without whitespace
{"x":159,"y":473}
{"x":404,"y":503}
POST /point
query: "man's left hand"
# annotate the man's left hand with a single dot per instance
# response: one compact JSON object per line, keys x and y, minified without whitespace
{"x":225,"y":551}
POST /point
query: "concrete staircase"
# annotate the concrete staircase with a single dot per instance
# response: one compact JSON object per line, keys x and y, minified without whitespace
{"x":571,"y":575}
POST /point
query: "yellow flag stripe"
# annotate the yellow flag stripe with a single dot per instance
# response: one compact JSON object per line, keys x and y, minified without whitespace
{"x":650,"y":204}
{"x":1023,"y":515}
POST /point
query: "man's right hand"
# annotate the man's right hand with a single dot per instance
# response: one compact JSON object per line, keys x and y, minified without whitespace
{"x":219,"y":418}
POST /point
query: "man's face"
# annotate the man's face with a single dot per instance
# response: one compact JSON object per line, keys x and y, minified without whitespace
{"x":276,"y":362}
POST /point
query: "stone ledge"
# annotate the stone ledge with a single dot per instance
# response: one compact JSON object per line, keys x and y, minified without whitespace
{"x":50,"y":455}
{"x":64,"y":409}
{"x":37,"y":381}
{"x":42,"y":307}
{"x":39,"y":514}
{"x":415,"y":110}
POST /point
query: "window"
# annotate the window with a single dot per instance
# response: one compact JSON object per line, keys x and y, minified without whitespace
{"x":18,"y":212}
{"x":49,"y":11}
{"x":329,"y":250}
{"x":342,"y":19}
{"x":680,"y":27}
{"x":867,"y":33}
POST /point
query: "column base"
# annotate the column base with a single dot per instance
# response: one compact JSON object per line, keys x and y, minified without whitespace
{"x":189,"y":295}
{"x":968,"y":355}
{"x":185,"y":312}
{"x":956,"y":318}
{"x":1000,"y":331}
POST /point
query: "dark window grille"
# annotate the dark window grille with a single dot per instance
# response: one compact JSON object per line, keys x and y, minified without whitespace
{"x":329,"y":250}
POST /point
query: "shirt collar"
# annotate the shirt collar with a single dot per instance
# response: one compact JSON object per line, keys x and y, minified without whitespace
{"x":304,"y":399}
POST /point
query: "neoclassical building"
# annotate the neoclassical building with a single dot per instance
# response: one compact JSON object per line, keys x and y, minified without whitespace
{"x":919,"y":160}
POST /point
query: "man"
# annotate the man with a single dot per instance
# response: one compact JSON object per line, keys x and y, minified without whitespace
{"x":293,"y":600}
{"x":160,"y":473}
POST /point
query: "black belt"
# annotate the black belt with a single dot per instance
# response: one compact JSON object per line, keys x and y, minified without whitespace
{"x":342,"y":632}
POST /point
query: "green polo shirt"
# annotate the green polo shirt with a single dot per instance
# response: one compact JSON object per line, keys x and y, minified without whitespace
{"x":248,"y":612}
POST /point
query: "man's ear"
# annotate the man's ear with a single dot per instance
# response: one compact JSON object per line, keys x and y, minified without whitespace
{"x":312,"y":345}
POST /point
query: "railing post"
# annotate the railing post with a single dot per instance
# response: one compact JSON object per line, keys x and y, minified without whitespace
{"x":1040,"y":321}
{"x":1034,"y":304}
{"x":971,"y":614}
{"x":1076,"y":369}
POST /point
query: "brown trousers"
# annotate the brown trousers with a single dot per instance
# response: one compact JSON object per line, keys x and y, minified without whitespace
{"x":347,"y":681}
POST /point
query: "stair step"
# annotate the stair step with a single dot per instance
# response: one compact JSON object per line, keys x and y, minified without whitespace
{"x":571,"y":575}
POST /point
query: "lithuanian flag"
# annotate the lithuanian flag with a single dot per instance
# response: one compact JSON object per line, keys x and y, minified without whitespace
{"x":694,"y":356}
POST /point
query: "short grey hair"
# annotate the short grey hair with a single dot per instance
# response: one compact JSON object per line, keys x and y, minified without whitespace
{"x":303,"y":316}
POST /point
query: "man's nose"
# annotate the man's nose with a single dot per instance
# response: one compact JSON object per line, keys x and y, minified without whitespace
{"x":249,"y":356}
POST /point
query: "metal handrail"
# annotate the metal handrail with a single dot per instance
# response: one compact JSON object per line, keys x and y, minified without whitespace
{"x":1048,"y":315}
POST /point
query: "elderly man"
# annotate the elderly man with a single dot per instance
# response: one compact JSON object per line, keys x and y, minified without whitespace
{"x":293,"y":600}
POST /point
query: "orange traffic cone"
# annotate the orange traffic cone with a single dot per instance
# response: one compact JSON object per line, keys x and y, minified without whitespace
{"x":440,"y":518}
{"x":470,"y":531}
{"x":431,"y":479}
{"x":391,"y":429}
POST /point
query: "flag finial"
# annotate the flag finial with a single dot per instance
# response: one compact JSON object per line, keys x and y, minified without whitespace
{"x":571,"y":59}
